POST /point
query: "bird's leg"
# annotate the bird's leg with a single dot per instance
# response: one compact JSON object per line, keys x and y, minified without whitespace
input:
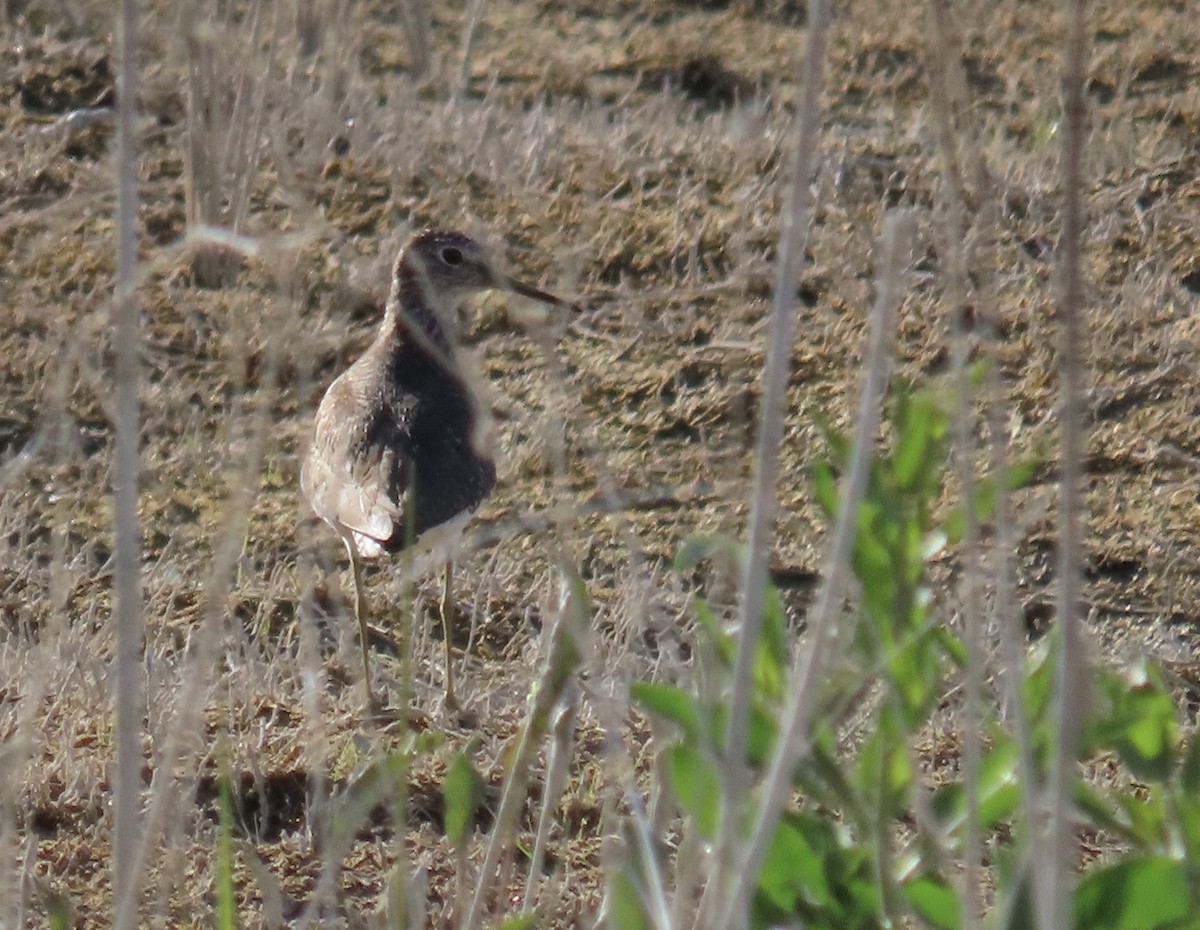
{"x":360,"y":614}
{"x":447,"y":609}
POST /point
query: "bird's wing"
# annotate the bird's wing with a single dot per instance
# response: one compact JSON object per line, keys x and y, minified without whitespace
{"x":349,"y":473}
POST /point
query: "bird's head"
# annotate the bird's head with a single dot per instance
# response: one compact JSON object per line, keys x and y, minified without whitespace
{"x":439,"y":269}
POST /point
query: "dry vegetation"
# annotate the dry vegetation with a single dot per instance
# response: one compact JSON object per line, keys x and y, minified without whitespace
{"x":628,"y":152}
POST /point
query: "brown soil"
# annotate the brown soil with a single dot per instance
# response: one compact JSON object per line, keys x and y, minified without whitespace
{"x":632,"y":154}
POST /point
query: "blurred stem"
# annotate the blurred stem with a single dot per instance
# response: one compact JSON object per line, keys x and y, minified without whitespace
{"x":190,"y":695}
{"x":954,"y":229}
{"x":944,"y":55}
{"x":565,"y":717}
{"x":557,"y":675}
{"x":971,"y":726}
{"x":1006,"y":621}
{"x":416,"y":17}
{"x":808,"y":674}
{"x":468,"y":46}
{"x":127,"y":544}
{"x":943,"y":60}
{"x":764,"y":504}
{"x":1070,"y":698}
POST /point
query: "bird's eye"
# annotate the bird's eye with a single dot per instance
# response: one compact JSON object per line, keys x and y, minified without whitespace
{"x":452,"y":256}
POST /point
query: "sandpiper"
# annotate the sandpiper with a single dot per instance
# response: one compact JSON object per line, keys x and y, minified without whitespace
{"x":396,"y":459}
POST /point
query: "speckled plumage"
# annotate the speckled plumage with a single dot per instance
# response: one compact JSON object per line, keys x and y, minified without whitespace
{"x":395,"y":452}
{"x":397,"y":456}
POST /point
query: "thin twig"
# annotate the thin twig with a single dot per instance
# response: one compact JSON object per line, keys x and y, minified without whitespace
{"x":764,"y":503}
{"x":809,"y":668}
{"x":557,"y":675}
{"x":943,"y":54}
{"x":557,"y":770}
{"x":1006,"y":620}
{"x":195,"y":679}
{"x":127,"y":545}
{"x":972,"y":611}
{"x":1070,"y":699}
{"x":415,"y":18}
{"x":944,"y":67}
{"x":468,"y":46}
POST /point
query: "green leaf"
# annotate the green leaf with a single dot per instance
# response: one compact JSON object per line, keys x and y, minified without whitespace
{"x":669,"y":702}
{"x":884,"y":772}
{"x":838,"y":442}
{"x":794,"y":869}
{"x":226,"y":915}
{"x":976,"y":372}
{"x":1187,"y":799}
{"x":824,"y":778}
{"x":999,"y":791}
{"x":462,"y":792}
{"x":912,"y":458}
{"x":383,"y":778}
{"x":623,"y":907}
{"x":1148,"y":815}
{"x":519,"y":922}
{"x":760,"y":735}
{"x":1015,"y":893}
{"x":773,"y":646}
{"x":913,"y":676}
{"x":1137,"y":720}
{"x":953,"y":647}
{"x":722,"y":642}
{"x":985,"y":499}
{"x":564,"y":657}
{"x":1021,"y":473}
{"x":955,"y":524}
{"x":873,"y":567}
{"x":59,"y":913}
{"x":1103,"y":812}
{"x":825,"y":489}
{"x":1147,"y":893}
{"x":760,"y":741}
{"x":1190,"y":772}
{"x":697,"y":786}
{"x":1038,"y":687}
{"x":934,"y":901}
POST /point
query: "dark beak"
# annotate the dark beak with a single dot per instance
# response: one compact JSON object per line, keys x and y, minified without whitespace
{"x":534,"y":294}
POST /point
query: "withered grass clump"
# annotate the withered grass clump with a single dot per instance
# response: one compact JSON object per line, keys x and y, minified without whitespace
{"x":584,"y":141}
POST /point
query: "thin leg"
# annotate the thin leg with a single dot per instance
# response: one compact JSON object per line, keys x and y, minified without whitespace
{"x":360,"y":614}
{"x":447,"y":608}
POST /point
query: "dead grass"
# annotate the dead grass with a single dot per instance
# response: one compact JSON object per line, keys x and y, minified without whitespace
{"x":628,"y":152}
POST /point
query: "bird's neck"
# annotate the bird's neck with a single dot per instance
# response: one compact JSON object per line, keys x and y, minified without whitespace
{"x":411,"y":323}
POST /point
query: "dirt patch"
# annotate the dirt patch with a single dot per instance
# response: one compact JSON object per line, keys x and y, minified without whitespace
{"x":633,"y":154}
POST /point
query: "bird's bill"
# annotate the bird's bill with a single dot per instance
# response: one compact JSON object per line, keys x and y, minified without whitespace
{"x":533,"y":293}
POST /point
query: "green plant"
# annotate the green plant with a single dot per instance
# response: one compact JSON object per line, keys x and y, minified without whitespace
{"x":867,"y":844}
{"x":226,"y":903}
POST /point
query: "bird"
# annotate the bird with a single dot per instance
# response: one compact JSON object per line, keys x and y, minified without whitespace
{"x":396,"y":462}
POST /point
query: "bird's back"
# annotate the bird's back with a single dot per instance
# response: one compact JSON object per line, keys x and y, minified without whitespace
{"x":394,"y":453}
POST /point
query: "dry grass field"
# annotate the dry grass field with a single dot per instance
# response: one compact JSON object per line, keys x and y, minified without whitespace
{"x":631,"y":154}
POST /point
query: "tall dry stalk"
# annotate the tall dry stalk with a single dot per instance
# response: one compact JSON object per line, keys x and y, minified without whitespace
{"x":808,"y":674}
{"x":781,"y":332}
{"x":127,"y":544}
{"x":187,"y":712}
{"x":971,"y":585}
{"x":556,"y":680}
{"x":226,"y":115}
{"x":474,"y":11}
{"x":1070,"y":700}
{"x":955,"y":228}
{"x":416,"y":18}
